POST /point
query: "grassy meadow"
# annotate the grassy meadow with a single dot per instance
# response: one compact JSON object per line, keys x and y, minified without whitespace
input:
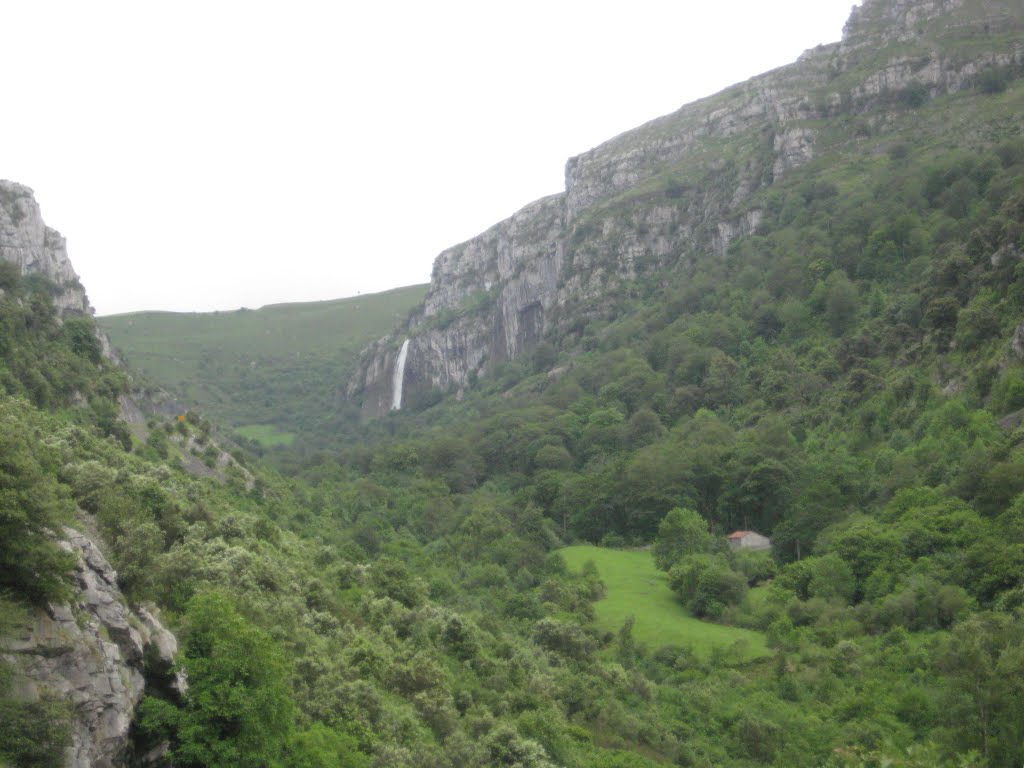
{"x":266,"y":435}
{"x":635,"y":587}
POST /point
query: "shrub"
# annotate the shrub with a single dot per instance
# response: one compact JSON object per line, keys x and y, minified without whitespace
{"x":1008,"y":391}
{"x":32,"y":734}
{"x":717,"y":588}
{"x":31,"y":505}
{"x":913,"y":95}
{"x":563,"y":637}
{"x":992,"y":81}
{"x":238,"y":711}
{"x":757,"y":567}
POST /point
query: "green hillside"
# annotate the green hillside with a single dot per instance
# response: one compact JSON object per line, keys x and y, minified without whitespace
{"x":848,"y":379}
{"x":274,"y":372}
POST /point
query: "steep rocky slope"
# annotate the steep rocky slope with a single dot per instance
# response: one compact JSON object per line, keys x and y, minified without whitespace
{"x":677,"y":187}
{"x":94,"y":653}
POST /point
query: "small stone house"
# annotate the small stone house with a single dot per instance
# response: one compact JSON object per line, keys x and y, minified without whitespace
{"x":748,"y":540}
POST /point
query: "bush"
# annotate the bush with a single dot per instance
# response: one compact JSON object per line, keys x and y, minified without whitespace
{"x":718,"y":588}
{"x":32,"y":505}
{"x":321,"y":747}
{"x":81,"y":336}
{"x":992,"y":81}
{"x":841,"y":302}
{"x":756,"y":567}
{"x":913,"y":95}
{"x":564,"y":638}
{"x":392,"y":578}
{"x":923,"y":604}
{"x":1008,"y":392}
{"x":832,"y":578}
{"x":707,"y":585}
{"x":238,"y":711}
{"x":10,"y":277}
{"x":33,"y":734}
{"x":554,"y":457}
{"x":685,"y":574}
{"x":506,"y":748}
{"x":978,"y":322}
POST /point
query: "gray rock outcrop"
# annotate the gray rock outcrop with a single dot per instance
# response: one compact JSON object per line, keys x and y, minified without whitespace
{"x":673,"y":189}
{"x":1017,"y":343}
{"x":94,"y":653}
{"x":34,"y":248}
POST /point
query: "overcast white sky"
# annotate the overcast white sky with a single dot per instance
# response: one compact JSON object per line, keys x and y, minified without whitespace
{"x":211,"y":155}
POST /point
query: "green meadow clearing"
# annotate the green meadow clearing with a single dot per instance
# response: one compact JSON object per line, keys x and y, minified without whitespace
{"x":635,"y":587}
{"x":267,"y":435}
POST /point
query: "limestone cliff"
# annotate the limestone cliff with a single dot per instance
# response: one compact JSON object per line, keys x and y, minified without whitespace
{"x":35,"y":249}
{"x":675,"y":188}
{"x":96,"y":654}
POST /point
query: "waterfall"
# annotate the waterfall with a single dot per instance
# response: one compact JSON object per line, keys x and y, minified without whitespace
{"x":398,"y":377}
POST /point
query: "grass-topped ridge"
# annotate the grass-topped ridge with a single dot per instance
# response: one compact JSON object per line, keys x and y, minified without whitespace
{"x":280,"y":367}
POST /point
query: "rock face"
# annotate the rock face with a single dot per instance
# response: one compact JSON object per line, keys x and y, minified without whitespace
{"x":34,"y":248}
{"x":1017,"y":344}
{"x":677,"y":187}
{"x":95,"y":653}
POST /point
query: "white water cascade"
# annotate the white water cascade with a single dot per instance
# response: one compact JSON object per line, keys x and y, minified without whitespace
{"x":398,"y":377}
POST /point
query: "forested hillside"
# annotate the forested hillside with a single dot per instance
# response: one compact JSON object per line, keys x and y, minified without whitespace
{"x":847,"y":380}
{"x":531,"y":570}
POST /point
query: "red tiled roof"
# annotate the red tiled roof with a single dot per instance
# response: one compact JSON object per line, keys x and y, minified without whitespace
{"x":739,"y":534}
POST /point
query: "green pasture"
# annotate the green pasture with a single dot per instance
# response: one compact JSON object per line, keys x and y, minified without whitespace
{"x":266,"y":435}
{"x":635,"y":587}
